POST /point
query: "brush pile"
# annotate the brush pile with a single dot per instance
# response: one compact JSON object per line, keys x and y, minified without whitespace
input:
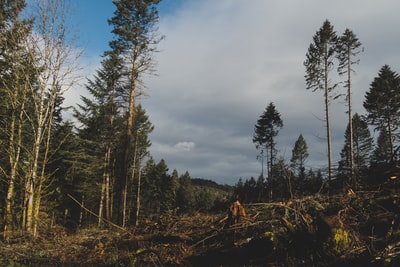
{"x":359,"y":228}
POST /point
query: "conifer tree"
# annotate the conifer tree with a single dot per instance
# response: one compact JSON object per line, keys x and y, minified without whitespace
{"x":383,"y":151}
{"x":299,"y":156}
{"x":185,"y":194}
{"x":265,"y":131}
{"x":363,"y":145}
{"x":134,"y":27}
{"x":348,"y":47}
{"x":319,"y":63}
{"x":382,"y":103}
{"x":101,"y":119}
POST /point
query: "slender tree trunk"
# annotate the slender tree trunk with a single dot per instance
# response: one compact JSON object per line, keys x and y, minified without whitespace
{"x":134,"y":169}
{"x":271,"y":160}
{"x":14,"y":154}
{"x":104,"y":197}
{"x":131,"y":115}
{"x":101,"y":205}
{"x":34,"y":181}
{"x":392,"y":156}
{"x":138,"y":194}
{"x":328,"y":125}
{"x":108,"y":190}
{"x":42,"y":178}
{"x":82,"y":210}
{"x":353,"y":181}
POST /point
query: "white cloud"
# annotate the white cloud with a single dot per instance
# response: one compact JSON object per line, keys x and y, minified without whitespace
{"x":184,"y":146}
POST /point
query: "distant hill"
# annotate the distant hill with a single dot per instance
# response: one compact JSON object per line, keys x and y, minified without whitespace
{"x":212,"y":184}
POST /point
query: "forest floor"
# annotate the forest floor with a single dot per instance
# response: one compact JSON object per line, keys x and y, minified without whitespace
{"x":359,"y":228}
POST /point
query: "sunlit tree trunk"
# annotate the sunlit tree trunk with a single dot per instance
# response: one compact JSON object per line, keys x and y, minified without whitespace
{"x":105,"y":188}
{"x":139,"y":187}
{"x":318,"y":64}
{"x":16,"y":94}
{"x":348,"y":47}
{"x":136,"y":39}
{"x":15,"y":143}
{"x":55,"y":64}
{"x":129,"y":130}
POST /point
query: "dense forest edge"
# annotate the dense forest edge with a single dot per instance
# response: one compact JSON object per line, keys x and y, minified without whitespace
{"x":87,"y":191}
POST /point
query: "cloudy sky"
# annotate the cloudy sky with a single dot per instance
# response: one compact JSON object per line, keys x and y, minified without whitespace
{"x":224,"y":61}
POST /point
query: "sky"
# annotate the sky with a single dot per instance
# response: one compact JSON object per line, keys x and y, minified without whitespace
{"x":223,"y":61}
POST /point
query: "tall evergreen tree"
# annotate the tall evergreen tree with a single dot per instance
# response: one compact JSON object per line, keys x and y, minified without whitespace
{"x":348,"y":47}
{"x":382,"y":103}
{"x":142,"y":128}
{"x":265,"y":131}
{"x":134,"y":27}
{"x":319,"y":63}
{"x":101,"y":121}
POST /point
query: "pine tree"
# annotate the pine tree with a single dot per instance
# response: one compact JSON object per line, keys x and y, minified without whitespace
{"x":101,"y":119}
{"x":383,"y":151}
{"x":363,"y":145}
{"x":319,"y":62}
{"x":142,"y":128}
{"x":299,"y":156}
{"x":66,"y":152}
{"x":265,"y":131}
{"x":382,"y":103}
{"x":348,"y":47}
{"x":134,"y":27}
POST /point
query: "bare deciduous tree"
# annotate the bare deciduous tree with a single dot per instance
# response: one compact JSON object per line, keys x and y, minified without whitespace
{"x":55,"y":62}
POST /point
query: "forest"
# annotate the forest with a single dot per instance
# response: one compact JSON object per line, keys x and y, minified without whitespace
{"x":91,"y":187}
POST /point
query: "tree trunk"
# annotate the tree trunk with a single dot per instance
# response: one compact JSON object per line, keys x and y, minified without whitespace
{"x":353,"y":181}
{"x":131,"y":114}
{"x":101,"y":205}
{"x":138,"y":195}
{"x":104,"y":196}
{"x":327,"y":117}
{"x":34,"y":182}
{"x":14,"y":153}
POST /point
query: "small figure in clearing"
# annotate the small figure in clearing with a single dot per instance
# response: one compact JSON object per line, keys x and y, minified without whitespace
{"x":236,"y":211}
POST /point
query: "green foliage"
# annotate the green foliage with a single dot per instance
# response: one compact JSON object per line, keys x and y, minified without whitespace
{"x":265,"y":132}
{"x":382,"y":103}
{"x":348,"y":47}
{"x":320,"y":58}
{"x":363,"y":145}
{"x":186,"y":194}
{"x":319,"y":63}
{"x":297,"y":162}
